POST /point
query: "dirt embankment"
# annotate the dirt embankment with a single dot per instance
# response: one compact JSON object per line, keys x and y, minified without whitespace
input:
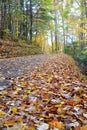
{"x":10,"y":49}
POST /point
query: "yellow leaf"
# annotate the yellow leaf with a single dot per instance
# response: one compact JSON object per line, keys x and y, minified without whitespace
{"x":24,"y":96}
{"x":59,"y":110}
{"x":44,"y":116}
{"x":18,"y":89}
{"x":2,"y":114}
{"x":9,"y":123}
{"x":14,"y":110}
{"x":62,"y":116}
{"x":84,"y":127}
{"x":62,"y":103}
{"x":31,"y":128}
{"x":25,"y":84}
{"x":78,"y":99}
{"x":19,"y":120}
{"x":28,"y":91}
{"x":24,"y":128}
{"x":80,"y":89}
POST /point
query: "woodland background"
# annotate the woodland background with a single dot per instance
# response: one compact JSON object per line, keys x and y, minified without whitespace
{"x":49,"y":26}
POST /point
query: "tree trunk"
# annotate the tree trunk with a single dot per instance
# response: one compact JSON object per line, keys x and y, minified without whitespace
{"x":52,"y":41}
{"x":85,"y":5}
{"x":31,"y":21}
{"x":10,"y":19}
{"x":81,"y":35}
{"x":64,"y":32}
{"x":56,"y":32}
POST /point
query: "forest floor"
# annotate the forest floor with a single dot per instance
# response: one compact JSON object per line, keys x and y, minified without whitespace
{"x":44,"y":92}
{"x":9,"y":49}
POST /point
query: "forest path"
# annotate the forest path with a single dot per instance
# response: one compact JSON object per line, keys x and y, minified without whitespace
{"x":13,"y":67}
{"x":51,"y":96}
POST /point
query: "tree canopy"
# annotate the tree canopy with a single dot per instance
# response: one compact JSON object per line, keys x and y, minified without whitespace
{"x":55,"y":22}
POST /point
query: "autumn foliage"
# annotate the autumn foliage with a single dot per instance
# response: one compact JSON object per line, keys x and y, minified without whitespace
{"x":52,"y":97}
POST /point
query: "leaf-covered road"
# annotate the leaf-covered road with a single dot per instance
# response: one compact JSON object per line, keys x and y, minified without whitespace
{"x":51,"y":97}
{"x":14,"y":67}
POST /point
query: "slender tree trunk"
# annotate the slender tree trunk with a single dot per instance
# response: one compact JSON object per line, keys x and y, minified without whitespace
{"x":56,"y":32}
{"x":5,"y":15}
{"x":2,"y":19}
{"x":81,"y":35}
{"x":31,"y":21}
{"x":21,"y":30}
{"x":52,"y":40}
{"x":85,"y":5}
{"x":64,"y":32}
{"x":27,"y":20}
{"x":10,"y":19}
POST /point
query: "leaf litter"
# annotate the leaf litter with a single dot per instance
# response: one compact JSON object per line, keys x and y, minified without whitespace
{"x":52,"y":97}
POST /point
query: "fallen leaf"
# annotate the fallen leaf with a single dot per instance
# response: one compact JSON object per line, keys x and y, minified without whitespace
{"x":9,"y":123}
{"x":43,"y":126}
{"x":14,"y":110}
{"x":2,"y":114}
{"x":84,"y":127}
{"x":63,"y":116}
{"x":56,"y":124}
{"x":85,"y":115}
{"x":28,"y":91}
{"x":59,"y":110}
{"x":71,"y":102}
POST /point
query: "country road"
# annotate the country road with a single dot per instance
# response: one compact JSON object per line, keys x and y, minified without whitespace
{"x":14,"y":67}
{"x":43,"y":92}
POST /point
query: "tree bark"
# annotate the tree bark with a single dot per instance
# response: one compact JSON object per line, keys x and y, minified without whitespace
{"x":64,"y":32}
{"x":31,"y":21}
{"x":52,"y":40}
{"x":56,"y":32}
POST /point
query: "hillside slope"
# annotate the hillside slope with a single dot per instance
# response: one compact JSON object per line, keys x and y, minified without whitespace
{"x":10,"y":49}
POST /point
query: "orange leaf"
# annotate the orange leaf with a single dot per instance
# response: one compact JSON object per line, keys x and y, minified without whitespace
{"x":71,"y":102}
{"x":10,"y":123}
{"x":56,"y":124}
